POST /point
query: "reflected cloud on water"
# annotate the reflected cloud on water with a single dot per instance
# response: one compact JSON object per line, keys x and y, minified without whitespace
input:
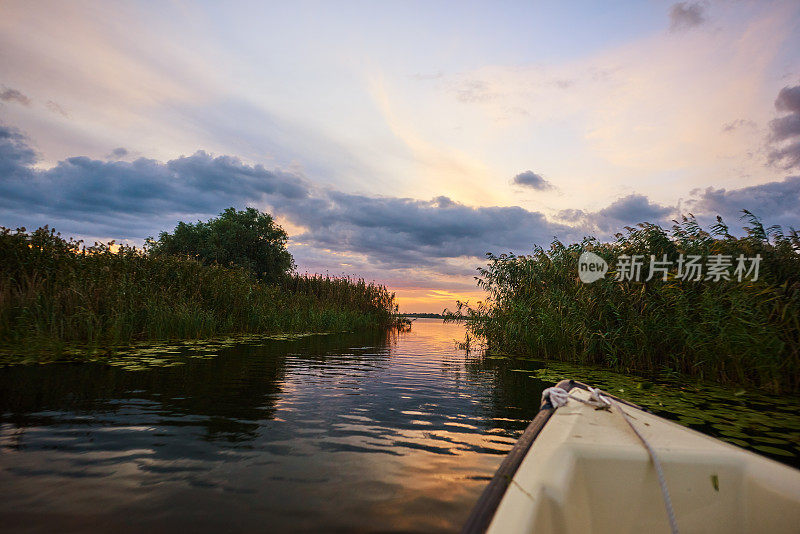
{"x":340,"y":432}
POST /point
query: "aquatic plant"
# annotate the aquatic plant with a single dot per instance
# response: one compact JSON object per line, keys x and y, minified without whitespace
{"x":759,"y":421}
{"x":56,"y":293}
{"x":745,"y":332}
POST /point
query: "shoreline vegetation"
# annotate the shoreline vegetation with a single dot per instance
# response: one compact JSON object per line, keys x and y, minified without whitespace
{"x":57,"y":294}
{"x":729,"y":331}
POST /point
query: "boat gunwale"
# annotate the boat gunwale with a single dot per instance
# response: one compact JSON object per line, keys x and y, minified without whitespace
{"x":484,"y":510}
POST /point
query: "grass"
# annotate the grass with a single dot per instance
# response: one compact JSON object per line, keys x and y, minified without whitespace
{"x":733,"y":332}
{"x":55,"y":294}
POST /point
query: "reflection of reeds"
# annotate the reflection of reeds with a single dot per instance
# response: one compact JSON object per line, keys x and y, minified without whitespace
{"x":55,"y":292}
{"x":740,"y":332}
{"x":465,"y":345}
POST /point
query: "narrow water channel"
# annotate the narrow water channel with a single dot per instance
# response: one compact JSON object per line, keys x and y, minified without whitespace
{"x":336,"y":433}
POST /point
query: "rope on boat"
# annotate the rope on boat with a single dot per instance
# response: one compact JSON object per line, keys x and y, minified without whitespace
{"x":559,"y":397}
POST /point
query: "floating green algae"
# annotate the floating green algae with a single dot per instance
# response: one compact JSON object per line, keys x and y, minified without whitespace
{"x":763,"y":423}
{"x":148,"y":355}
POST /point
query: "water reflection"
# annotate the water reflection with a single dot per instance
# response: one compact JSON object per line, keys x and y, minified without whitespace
{"x":335,"y":433}
{"x":389,"y":432}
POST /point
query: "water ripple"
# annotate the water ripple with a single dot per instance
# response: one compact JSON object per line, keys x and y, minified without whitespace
{"x":320,"y":433}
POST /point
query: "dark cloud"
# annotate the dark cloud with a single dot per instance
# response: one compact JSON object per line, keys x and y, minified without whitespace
{"x":131,"y":200}
{"x":118,"y":153}
{"x":785,"y":130}
{"x":626,"y":211}
{"x":571,"y":215}
{"x":776,"y":202}
{"x":8,"y":94}
{"x":630,"y":210}
{"x":15,"y":155}
{"x":139,"y":198}
{"x":787,"y":156}
{"x":788,"y":99}
{"x":443,"y":202}
{"x":404,"y":232}
{"x":532,"y":180}
{"x":786,"y":127}
{"x":228,"y":176}
{"x":686,"y":15}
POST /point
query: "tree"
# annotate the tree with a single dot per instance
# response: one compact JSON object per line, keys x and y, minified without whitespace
{"x":247,"y":238}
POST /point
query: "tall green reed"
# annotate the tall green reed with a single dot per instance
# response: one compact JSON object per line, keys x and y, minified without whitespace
{"x":744,"y":332}
{"x":56,"y":292}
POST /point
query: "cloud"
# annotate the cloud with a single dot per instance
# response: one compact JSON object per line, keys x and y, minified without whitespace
{"x":788,"y":99}
{"x":777,"y":202}
{"x":785,"y":127}
{"x":629,"y":210}
{"x":686,"y":15}
{"x":738,"y":124}
{"x":333,"y":229}
{"x":532,"y":180}
{"x":139,"y":198}
{"x":15,"y":155}
{"x":787,"y":156}
{"x":473,"y":91}
{"x":785,"y":131}
{"x":563,"y":83}
{"x":8,"y":94}
{"x":571,"y":215}
{"x":55,"y":108}
{"x":402,"y":232}
{"x":129,"y":199}
{"x":118,"y":153}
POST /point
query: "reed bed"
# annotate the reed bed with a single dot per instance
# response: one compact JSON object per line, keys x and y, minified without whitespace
{"x":55,"y":292}
{"x":743,"y":332}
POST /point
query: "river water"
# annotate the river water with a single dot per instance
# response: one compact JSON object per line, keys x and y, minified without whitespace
{"x":337,"y":433}
{"x":333,"y":433}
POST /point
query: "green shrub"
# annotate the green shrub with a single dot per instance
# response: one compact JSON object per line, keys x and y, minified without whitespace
{"x":247,"y":238}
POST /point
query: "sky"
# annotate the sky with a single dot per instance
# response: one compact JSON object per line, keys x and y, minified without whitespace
{"x":399,"y":141}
